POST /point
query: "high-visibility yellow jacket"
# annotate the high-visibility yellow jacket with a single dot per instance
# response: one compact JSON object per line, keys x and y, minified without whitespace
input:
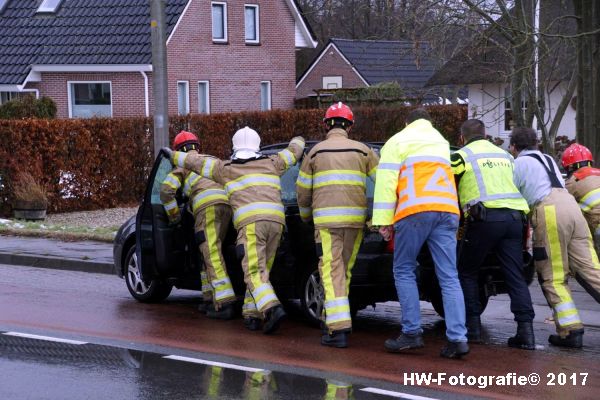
{"x":253,"y":185}
{"x":331,"y":184}
{"x":202,"y":192}
{"x":485,"y":174}
{"x":584,"y":185}
{"x":414,"y":175}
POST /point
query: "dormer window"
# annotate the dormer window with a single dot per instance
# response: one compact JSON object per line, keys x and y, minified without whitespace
{"x":48,"y":6}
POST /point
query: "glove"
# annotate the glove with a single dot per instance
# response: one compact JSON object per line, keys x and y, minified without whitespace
{"x":169,"y":152}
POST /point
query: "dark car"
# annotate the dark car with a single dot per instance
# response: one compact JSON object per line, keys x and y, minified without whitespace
{"x":154,"y":257}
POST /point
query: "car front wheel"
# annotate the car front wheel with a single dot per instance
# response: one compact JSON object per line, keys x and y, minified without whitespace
{"x":145,"y":291}
{"x":313,"y":296}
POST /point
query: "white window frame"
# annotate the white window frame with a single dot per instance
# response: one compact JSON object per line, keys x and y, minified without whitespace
{"x":206,"y":99}
{"x":70,"y":96}
{"x":331,"y":78}
{"x":256,"y":23}
{"x":187,"y":97}
{"x":225,"y":33}
{"x":270,"y":96}
{"x":45,"y":8}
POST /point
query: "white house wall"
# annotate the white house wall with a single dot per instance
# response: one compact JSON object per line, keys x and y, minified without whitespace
{"x":486,"y":102}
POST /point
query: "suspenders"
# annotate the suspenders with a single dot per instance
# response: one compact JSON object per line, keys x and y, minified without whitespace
{"x":555,"y":183}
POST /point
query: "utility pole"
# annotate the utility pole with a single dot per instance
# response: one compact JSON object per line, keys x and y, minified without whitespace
{"x":159,"y":74}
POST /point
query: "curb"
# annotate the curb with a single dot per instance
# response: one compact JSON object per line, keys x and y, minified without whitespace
{"x":65,"y":264}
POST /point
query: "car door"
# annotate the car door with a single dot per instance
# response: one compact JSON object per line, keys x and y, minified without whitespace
{"x":161,"y":247}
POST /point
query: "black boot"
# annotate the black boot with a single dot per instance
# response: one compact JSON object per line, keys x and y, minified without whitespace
{"x":524,"y":339}
{"x":455,"y":350}
{"x":573,"y":340}
{"x":252,"y":324}
{"x":273,"y":318}
{"x":337,"y":339}
{"x":474,"y":329}
{"x":404,"y":342}
{"x":226,"y":312}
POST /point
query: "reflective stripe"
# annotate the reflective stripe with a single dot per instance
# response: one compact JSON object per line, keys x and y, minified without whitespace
{"x":304,"y":180}
{"x":258,"y":208}
{"x":569,"y":320}
{"x":206,"y":287}
{"x":339,"y":214}
{"x":249,"y":304}
{"x":339,"y":177}
{"x":337,"y":317}
{"x":390,"y":166}
{"x":473,"y":160}
{"x":305,"y":212}
{"x":171,"y":205}
{"x":172,"y":181}
{"x":191,"y":180}
{"x":384,"y":206}
{"x":207,"y":169}
{"x":339,"y":302}
{"x":412,"y":160}
{"x":565,"y":306}
{"x":288,"y":157}
{"x":590,"y":200}
{"x":252,"y":180}
{"x":179,"y":158}
{"x":263,"y":294}
{"x":208,"y":195}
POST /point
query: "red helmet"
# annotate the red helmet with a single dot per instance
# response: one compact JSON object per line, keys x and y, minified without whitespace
{"x":576,"y":153}
{"x":187,"y":140}
{"x":339,"y":110}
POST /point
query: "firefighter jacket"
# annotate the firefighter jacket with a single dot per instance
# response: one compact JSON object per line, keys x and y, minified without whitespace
{"x":414,"y":175}
{"x":332,"y":182}
{"x":253,"y":185}
{"x":202,"y":192}
{"x":485,"y":174}
{"x":584,"y":185}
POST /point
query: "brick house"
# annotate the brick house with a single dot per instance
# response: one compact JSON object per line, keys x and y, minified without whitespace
{"x":345,"y":63}
{"x":94,"y":57}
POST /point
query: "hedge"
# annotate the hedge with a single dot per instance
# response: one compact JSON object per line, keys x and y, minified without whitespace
{"x":97,"y":163}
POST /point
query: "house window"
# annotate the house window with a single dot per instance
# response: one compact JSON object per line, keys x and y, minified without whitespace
{"x":265,"y":95}
{"x":252,"y":23}
{"x":183,"y":97}
{"x":49,"y":6}
{"x":219,"y":22}
{"x":90,"y":99}
{"x":204,"y":97}
{"x":332,"y":82}
{"x":8,"y":96}
{"x":508,"y":121}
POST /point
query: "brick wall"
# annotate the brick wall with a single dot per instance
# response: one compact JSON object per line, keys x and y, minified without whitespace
{"x":331,"y":64}
{"x":127,"y":91}
{"x":235,"y":69}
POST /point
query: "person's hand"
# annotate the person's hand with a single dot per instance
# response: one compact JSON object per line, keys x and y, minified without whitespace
{"x":169,"y":152}
{"x":387,"y":232}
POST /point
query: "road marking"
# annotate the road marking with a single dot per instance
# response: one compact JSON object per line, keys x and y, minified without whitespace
{"x":214,"y":363}
{"x":396,"y":394}
{"x":46,"y":338}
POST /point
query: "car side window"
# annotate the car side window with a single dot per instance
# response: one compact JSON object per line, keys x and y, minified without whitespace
{"x":163,"y":170}
{"x":288,"y":184}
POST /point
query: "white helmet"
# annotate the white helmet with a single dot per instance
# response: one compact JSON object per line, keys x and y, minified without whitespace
{"x":246,"y":144}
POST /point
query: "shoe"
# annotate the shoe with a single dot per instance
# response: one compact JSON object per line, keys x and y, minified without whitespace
{"x":573,"y":340}
{"x":252,"y":324}
{"x":455,"y":350}
{"x":273,"y":318}
{"x":226,"y":312}
{"x":404,"y":342}
{"x":474,"y":329}
{"x":524,"y":339}
{"x":337,"y":339}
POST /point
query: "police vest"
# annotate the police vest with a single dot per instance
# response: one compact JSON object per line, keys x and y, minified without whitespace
{"x":488,"y":178}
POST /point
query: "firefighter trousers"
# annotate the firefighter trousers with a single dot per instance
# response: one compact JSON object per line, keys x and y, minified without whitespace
{"x":562,"y":246}
{"x":337,"y":249}
{"x":211,"y":228}
{"x":257,"y":245}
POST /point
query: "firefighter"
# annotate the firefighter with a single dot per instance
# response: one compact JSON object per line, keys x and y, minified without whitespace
{"x":584,"y":184}
{"x":253,"y":185}
{"x":562,"y":242}
{"x":212,"y":214}
{"x":331,"y":192}
{"x":494,"y":211}
{"x":415,"y":192}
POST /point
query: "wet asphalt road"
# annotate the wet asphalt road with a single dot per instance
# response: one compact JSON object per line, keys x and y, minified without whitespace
{"x":97,"y":309}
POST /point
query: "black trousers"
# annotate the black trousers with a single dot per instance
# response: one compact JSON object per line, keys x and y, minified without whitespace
{"x":501,"y":232}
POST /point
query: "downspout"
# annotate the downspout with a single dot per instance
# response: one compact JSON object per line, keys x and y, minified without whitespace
{"x":146,"y":98}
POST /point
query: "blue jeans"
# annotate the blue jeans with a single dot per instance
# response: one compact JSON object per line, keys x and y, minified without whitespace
{"x":438,"y":229}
